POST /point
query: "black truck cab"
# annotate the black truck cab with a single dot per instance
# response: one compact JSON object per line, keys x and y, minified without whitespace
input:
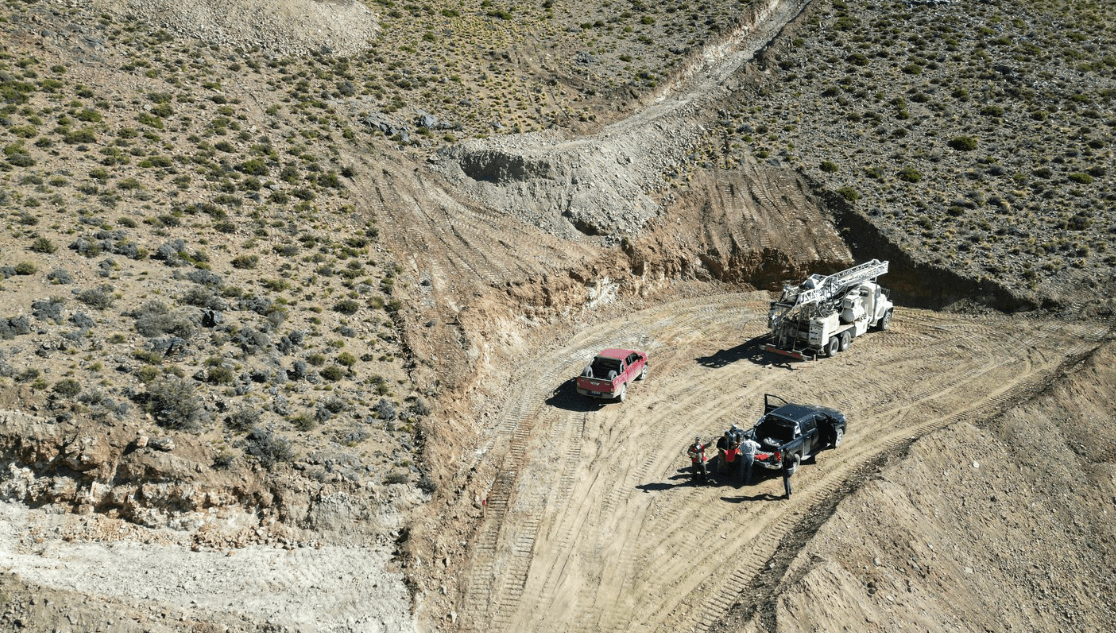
{"x":790,"y":433}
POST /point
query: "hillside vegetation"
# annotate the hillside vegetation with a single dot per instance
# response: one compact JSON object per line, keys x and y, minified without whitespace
{"x":978,"y":136}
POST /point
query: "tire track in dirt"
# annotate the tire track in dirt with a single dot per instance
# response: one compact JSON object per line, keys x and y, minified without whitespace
{"x":487,"y":578}
{"x":610,"y":541}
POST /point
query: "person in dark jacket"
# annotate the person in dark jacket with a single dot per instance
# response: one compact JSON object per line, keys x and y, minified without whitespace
{"x":786,"y":480}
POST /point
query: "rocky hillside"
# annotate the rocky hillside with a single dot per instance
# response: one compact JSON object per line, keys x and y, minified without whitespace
{"x":978,"y":136}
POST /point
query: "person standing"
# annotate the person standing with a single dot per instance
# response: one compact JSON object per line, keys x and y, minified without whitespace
{"x":786,"y":479}
{"x":748,"y":448}
{"x":723,"y":443}
{"x":696,"y":451}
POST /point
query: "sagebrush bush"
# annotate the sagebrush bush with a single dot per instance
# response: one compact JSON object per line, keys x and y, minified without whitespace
{"x":174,"y":404}
{"x":243,"y":419}
{"x":333,"y":373}
{"x":267,"y":447}
{"x":963,"y":143}
{"x":97,"y":298}
{"x":67,"y":388}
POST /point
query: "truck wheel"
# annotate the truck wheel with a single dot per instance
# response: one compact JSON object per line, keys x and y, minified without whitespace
{"x":643,"y":374}
{"x":832,"y":346}
{"x":794,"y":463}
{"x":885,"y":322}
{"x":843,"y":342}
{"x":623,"y":393}
{"x":838,"y":435}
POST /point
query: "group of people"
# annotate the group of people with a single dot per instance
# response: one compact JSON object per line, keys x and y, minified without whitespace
{"x":735,"y":449}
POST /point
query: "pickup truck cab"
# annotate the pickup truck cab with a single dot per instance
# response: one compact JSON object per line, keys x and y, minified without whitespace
{"x":790,"y":433}
{"x":607,"y":377}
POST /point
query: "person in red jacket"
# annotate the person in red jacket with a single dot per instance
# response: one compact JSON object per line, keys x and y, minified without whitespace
{"x":696,"y":451}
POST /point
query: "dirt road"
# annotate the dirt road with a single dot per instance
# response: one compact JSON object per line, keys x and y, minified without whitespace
{"x":592,"y":524}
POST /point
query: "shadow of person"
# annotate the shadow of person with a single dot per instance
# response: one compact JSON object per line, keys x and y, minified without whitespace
{"x":760,"y":497}
{"x":662,"y":485}
{"x":565,"y":396}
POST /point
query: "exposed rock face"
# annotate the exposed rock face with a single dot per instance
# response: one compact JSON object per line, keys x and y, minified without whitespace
{"x":164,"y":482}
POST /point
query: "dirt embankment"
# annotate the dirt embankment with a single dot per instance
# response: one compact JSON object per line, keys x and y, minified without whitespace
{"x":1001,"y":526}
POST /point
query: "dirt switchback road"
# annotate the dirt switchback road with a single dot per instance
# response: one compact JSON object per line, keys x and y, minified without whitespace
{"x":592,"y":524}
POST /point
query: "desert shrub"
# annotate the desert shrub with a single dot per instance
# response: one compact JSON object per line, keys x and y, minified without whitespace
{"x":333,"y":373}
{"x":12,"y":327}
{"x":346,"y":306}
{"x":204,"y":297}
{"x":909,"y":174}
{"x":346,"y":359}
{"x":963,"y":143}
{"x":316,"y":360}
{"x":224,"y":459}
{"x":97,"y":298}
{"x":243,"y":419}
{"x":275,"y":285}
{"x":205,"y":277}
{"x":43,"y":245}
{"x":84,"y":135}
{"x":150,"y":357}
{"x":27,"y":375}
{"x":385,"y":410}
{"x":67,"y":388}
{"x":168,"y":252}
{"x":48,"y":309}
{"x":396,"y":478}
{"x":857,"y":59}
{"x":154,"y":318}
{"x":1082,"y":179}
{"x":174,"y":404}
{"x":245,"y":262}
{"x":303,"y":422}
{"x":60,"y":276}
{"x":848,"y":193}
{"x":25,"y":268}
{"x":219,"y":375}
{"x":267,"y":447}
{"x":250,"y":340}
{"x":254,"y":167}
{"x":828,"y":167}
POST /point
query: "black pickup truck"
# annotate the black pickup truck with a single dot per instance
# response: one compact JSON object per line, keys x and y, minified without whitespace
{"x":790,"y":433}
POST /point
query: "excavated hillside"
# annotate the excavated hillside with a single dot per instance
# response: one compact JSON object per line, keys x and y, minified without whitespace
{"x":294,"y":292}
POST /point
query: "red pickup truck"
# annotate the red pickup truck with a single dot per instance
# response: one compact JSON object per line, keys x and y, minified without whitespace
{"x":610,"y":372}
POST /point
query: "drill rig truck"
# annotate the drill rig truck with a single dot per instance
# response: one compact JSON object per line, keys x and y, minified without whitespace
{"x":822,"y":315}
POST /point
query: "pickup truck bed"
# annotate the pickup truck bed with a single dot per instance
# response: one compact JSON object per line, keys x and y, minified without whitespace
{"x":790,"y":433}
{"x":608,"y":375}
